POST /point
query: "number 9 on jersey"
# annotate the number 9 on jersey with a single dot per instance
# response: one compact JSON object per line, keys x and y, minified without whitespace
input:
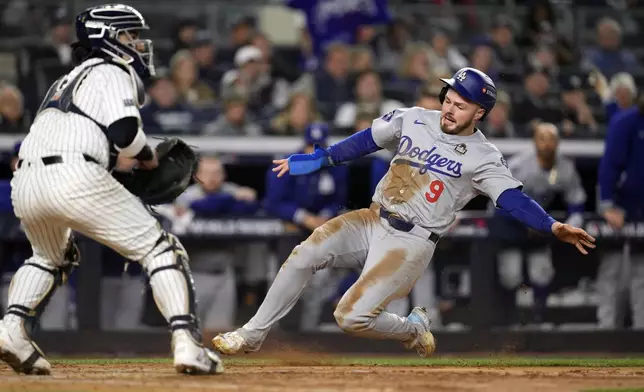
{"x":436,"y":188}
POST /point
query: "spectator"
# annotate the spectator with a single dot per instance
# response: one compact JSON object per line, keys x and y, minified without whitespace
{"x":619,"y":95}
{"x":204,"y":53}
{"x":40,"y":64}
{"x":300,"y":112}
{"x":235,"y":121}
{"x":278,"y":71}
{"x":415,"y":70}
{"x":621,"y":191}
{"x":166,"y":113}
{"x":183,"y":68}
{"x":502,"y":42}
{"x":392,"y":46}
{"x":536,"y":103}
{"x":609,"y":56}
{"x":60,"y":36}
{"x":497,"y":122}
{"x":543,"y":57}
{"x":185,"y":34}
{"x":241,"y":32}
{"x":366,"y":36}
{"x":579,"y":120}
{"x":428,"y":97}
{"x":248,"y":79}
{"x":309,"y":200}
{"x":483,"y":58}
{"x":213,"y":267}
{"x":276,"y":63}
{"x":12,"y":115}
{"x":368,"y":93}
{"x":332,"y":82}
{"x":361,"y":60}
{"x":539,"y":26}
{"x":545,"y":174}
{"x":445,"y":57}
{"x":213,"y":196}
{"x":364,"y":119}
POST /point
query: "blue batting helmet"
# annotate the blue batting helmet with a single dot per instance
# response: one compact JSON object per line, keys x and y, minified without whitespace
{"x":473,"y":85}
{"x":99,"y":28}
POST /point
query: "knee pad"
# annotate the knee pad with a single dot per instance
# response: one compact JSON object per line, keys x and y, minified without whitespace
{"x":60,"y":276}
{"x":168,"y":253}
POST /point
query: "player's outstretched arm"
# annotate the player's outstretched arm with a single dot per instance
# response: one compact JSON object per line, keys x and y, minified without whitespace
{"x":357,"y":145}
{"x":530,"y":213}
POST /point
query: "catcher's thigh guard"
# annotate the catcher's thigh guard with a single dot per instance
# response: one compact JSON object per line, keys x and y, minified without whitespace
{"x":172,"y":285}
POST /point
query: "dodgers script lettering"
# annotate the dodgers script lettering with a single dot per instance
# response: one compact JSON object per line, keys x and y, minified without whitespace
{"x":433,"y":160}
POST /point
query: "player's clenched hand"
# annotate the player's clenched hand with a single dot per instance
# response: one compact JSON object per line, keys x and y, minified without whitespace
{"x":573,"y":235}
{"x":282,"y":166}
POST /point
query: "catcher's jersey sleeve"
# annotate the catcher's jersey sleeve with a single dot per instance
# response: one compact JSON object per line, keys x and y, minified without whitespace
{"x":119,"y":94}
{"x":386,"y":130}
{"x":492,"y":177}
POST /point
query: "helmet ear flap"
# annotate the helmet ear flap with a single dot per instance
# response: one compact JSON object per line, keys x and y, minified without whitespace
{"x":442,"y":94}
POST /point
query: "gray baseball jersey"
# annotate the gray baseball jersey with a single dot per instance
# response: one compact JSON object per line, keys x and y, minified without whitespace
{"x":433,"y":175}
{"x":542,"y":185}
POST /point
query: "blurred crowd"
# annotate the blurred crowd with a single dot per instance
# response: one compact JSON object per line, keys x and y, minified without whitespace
{"x":550,"y":87}
{"x":244,"y":85}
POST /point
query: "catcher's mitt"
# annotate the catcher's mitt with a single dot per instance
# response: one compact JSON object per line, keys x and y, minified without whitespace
{"x":177,"y":165}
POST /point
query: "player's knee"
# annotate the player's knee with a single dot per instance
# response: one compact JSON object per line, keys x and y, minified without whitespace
{"x":165,"y":252}
{"x":303,"y":256}
{"x":353,"y":323}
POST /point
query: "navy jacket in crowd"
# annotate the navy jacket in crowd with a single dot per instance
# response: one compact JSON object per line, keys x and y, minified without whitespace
{"x":179,"y":118}
{"x":321,"y":193}
{"x":216,"y":204}
{"x":624,"y":154}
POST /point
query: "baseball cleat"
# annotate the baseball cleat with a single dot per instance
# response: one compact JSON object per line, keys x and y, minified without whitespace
{"x":194,"y":359}
{"x":424,"y":343}
{"x":22,"y":354}
{"x":231,"y":343}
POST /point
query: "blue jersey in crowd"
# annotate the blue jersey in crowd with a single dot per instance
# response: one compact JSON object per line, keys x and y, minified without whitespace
{"x":331,"y":21}
{"x":320,"y":193}
{"x":621,"y":171}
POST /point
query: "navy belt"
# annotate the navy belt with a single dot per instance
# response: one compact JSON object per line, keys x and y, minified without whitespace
{"x":402,"y":225}
{"x":52,"y":159}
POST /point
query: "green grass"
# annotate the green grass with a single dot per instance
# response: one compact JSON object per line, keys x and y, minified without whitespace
{"x":394,"y":361}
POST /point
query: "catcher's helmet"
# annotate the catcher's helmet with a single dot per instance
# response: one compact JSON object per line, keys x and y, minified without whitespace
{"x":99,"y":28}
{"x":473,"y":85}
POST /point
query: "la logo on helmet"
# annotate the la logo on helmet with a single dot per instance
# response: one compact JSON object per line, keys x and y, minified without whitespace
{"x":461,"y":76}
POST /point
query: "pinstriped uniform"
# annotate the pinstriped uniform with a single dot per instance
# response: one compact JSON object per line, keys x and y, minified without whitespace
{"x":52,"y":200}
{"x":78,"y":194}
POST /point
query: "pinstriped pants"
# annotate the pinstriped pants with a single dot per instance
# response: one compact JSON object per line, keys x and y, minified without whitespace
{"x":81,"y":196}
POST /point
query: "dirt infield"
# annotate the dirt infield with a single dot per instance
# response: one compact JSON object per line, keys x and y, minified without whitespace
{"x":281,"y":376}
